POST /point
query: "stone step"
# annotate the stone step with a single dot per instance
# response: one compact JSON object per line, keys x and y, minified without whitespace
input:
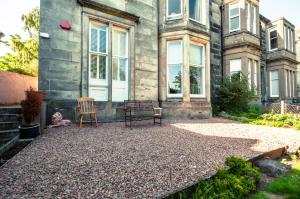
{"x":8,"y":117}
{"x":10,"y":109}
{"x":8,"y":125}
{"x":8,"y":134}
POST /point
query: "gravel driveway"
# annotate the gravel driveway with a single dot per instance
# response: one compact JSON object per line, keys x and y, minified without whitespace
{"x":149,"y":161}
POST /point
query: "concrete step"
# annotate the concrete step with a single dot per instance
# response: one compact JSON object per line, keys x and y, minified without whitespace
{"x":8,"y":117}
{"x":8,"y":134}
{"x":8,"y":125}
{"x":10,"y":109}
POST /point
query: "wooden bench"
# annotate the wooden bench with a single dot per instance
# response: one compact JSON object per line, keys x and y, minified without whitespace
{"x":135,"y":110}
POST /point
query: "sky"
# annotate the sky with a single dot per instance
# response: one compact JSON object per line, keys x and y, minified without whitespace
{"x":12,"y":10}
{"x":274,"y":9}
{"x":10,"y":18}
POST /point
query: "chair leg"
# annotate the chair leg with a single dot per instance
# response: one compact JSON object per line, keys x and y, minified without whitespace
{"x":80,"y":122}
{"x":96,"y":120}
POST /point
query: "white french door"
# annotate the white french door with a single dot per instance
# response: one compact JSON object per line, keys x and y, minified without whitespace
{"x":98,"y":62}
{"x":119,"y":65}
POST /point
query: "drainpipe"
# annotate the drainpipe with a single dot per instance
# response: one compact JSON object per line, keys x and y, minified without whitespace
{"x":222,"y":41}
{"x":81,"y":55}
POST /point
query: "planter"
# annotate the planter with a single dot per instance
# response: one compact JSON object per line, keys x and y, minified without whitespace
{"x":29,"y":131}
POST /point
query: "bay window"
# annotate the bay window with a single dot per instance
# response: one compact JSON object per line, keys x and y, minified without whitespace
{"x":289,"y":38}
{"x":197,"y":10}
{"x":274,"y":83}
{"x":255,"y":79}
{"x":250,"y":73}
{"x":234,"y":17}
{"x":174,"y":9}
{"x":175,"y":68}
{"x":197,"y":70}
{"x":251,"y":17}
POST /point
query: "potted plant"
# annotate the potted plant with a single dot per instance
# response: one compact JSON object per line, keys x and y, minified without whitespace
{"x":31,"y":108}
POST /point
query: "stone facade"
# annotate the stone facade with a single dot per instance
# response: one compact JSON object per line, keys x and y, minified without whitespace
{"x":118,"y":50}
{"x":298,"y":59}
{"x":281,"y":58}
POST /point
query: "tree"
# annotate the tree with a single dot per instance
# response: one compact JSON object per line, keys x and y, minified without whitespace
{"x":24,"y":58}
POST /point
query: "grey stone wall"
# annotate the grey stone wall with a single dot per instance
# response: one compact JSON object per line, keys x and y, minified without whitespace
{"x":216,"y":46}
{"x":63,"y":72}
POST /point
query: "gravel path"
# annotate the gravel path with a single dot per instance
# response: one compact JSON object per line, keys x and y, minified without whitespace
{"x":112,"y":161}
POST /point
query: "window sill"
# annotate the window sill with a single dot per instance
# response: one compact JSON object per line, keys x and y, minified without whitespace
{"x":173,"y":18}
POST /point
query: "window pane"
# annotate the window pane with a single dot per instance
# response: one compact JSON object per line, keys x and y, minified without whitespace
{"x":102,"y":67}
{"x":94,"y":40}
{"x":196,"y":80}
{"x":234,"y":11}
{"x":273,"y":34}
{"x":175,"y":78}
{"x":274,"y":75}
{"x":196,"y":55}
{"x":174,"y":7}
{"x":122,"y":69}
{"x":123,"y":45}
{"x":102,"y":45}
{"x":93,"y":66}
{"x":249,"y":74}
{"x":235,"y":23}
{"x":274,"y":43}
{"x":174,"y":52}
{"x":115,"y":68}
{"x":235,"y":66}
{"x":195,"y":9}
{"x":275,"y":87}
{"x":115,"y":43}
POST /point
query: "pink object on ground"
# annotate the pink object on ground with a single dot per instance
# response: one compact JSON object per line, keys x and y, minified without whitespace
{"x":57,"y":121}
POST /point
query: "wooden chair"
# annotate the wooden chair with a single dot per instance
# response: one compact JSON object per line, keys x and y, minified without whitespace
{"x":86,"y":107}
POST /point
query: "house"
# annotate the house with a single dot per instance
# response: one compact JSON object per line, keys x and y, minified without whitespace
{"x":298,"y":59}
{"x":173,"y":52}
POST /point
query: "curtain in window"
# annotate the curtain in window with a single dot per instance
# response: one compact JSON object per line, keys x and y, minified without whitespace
{"x":196,"y":10}
{"x":274,"y":83}
{"x":174,"y":7}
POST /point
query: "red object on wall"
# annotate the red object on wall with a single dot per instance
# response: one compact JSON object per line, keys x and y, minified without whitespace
{"x":65,"y":25}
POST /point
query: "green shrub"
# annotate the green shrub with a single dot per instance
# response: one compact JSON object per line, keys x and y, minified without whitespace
{"x":234,"y":94}
{"x":237,"y":182}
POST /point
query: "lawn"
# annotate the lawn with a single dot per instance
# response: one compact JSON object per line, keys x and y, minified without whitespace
{"x":287,"y":186}
{"x":255,"y":115}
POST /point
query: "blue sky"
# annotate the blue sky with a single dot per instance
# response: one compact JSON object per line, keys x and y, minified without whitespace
{"x":12,"y":10}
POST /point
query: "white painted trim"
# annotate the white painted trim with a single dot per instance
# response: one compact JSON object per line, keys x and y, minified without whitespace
{"x":182,"y":70}
{"x":203,"y":71}
{"x":271,"y":95}
{"x":232,"y":6}
{"x":177,"y":16}
{"x":269,"y":39}
{"x":203,"y":7}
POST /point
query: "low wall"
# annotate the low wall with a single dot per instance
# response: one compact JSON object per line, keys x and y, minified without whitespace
{"x":13,"y":85}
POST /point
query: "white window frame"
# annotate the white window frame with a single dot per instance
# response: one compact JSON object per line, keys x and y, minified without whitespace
{"x":233,"y":6}
{"x":170,"y":95}
{"x":248,"y":5}
{"x":255,"y":76}
{"x":286,"y":83}
{"x":203,"y":71}
{"x":203,"y":17}
{"x":271,"y":94}
{"x":234,"y":72}
{"x":176,"y":16}
{"x":269,"y":33}
{"x":122,"y":57}
{"x":102,"y":82}
{"x":250,"y":73}
{"x":254,"y":19}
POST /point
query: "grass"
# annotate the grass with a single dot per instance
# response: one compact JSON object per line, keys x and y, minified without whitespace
{"x":255,"y":116}
{"x":287,"y":186}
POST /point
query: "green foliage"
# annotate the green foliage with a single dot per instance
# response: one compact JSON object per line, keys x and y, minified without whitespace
{"x":288,"y":185}
{"x":278,"y":120}
{"x":234,"y":94}
{"x":237,"y":182}
{"x":24,"y":58}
